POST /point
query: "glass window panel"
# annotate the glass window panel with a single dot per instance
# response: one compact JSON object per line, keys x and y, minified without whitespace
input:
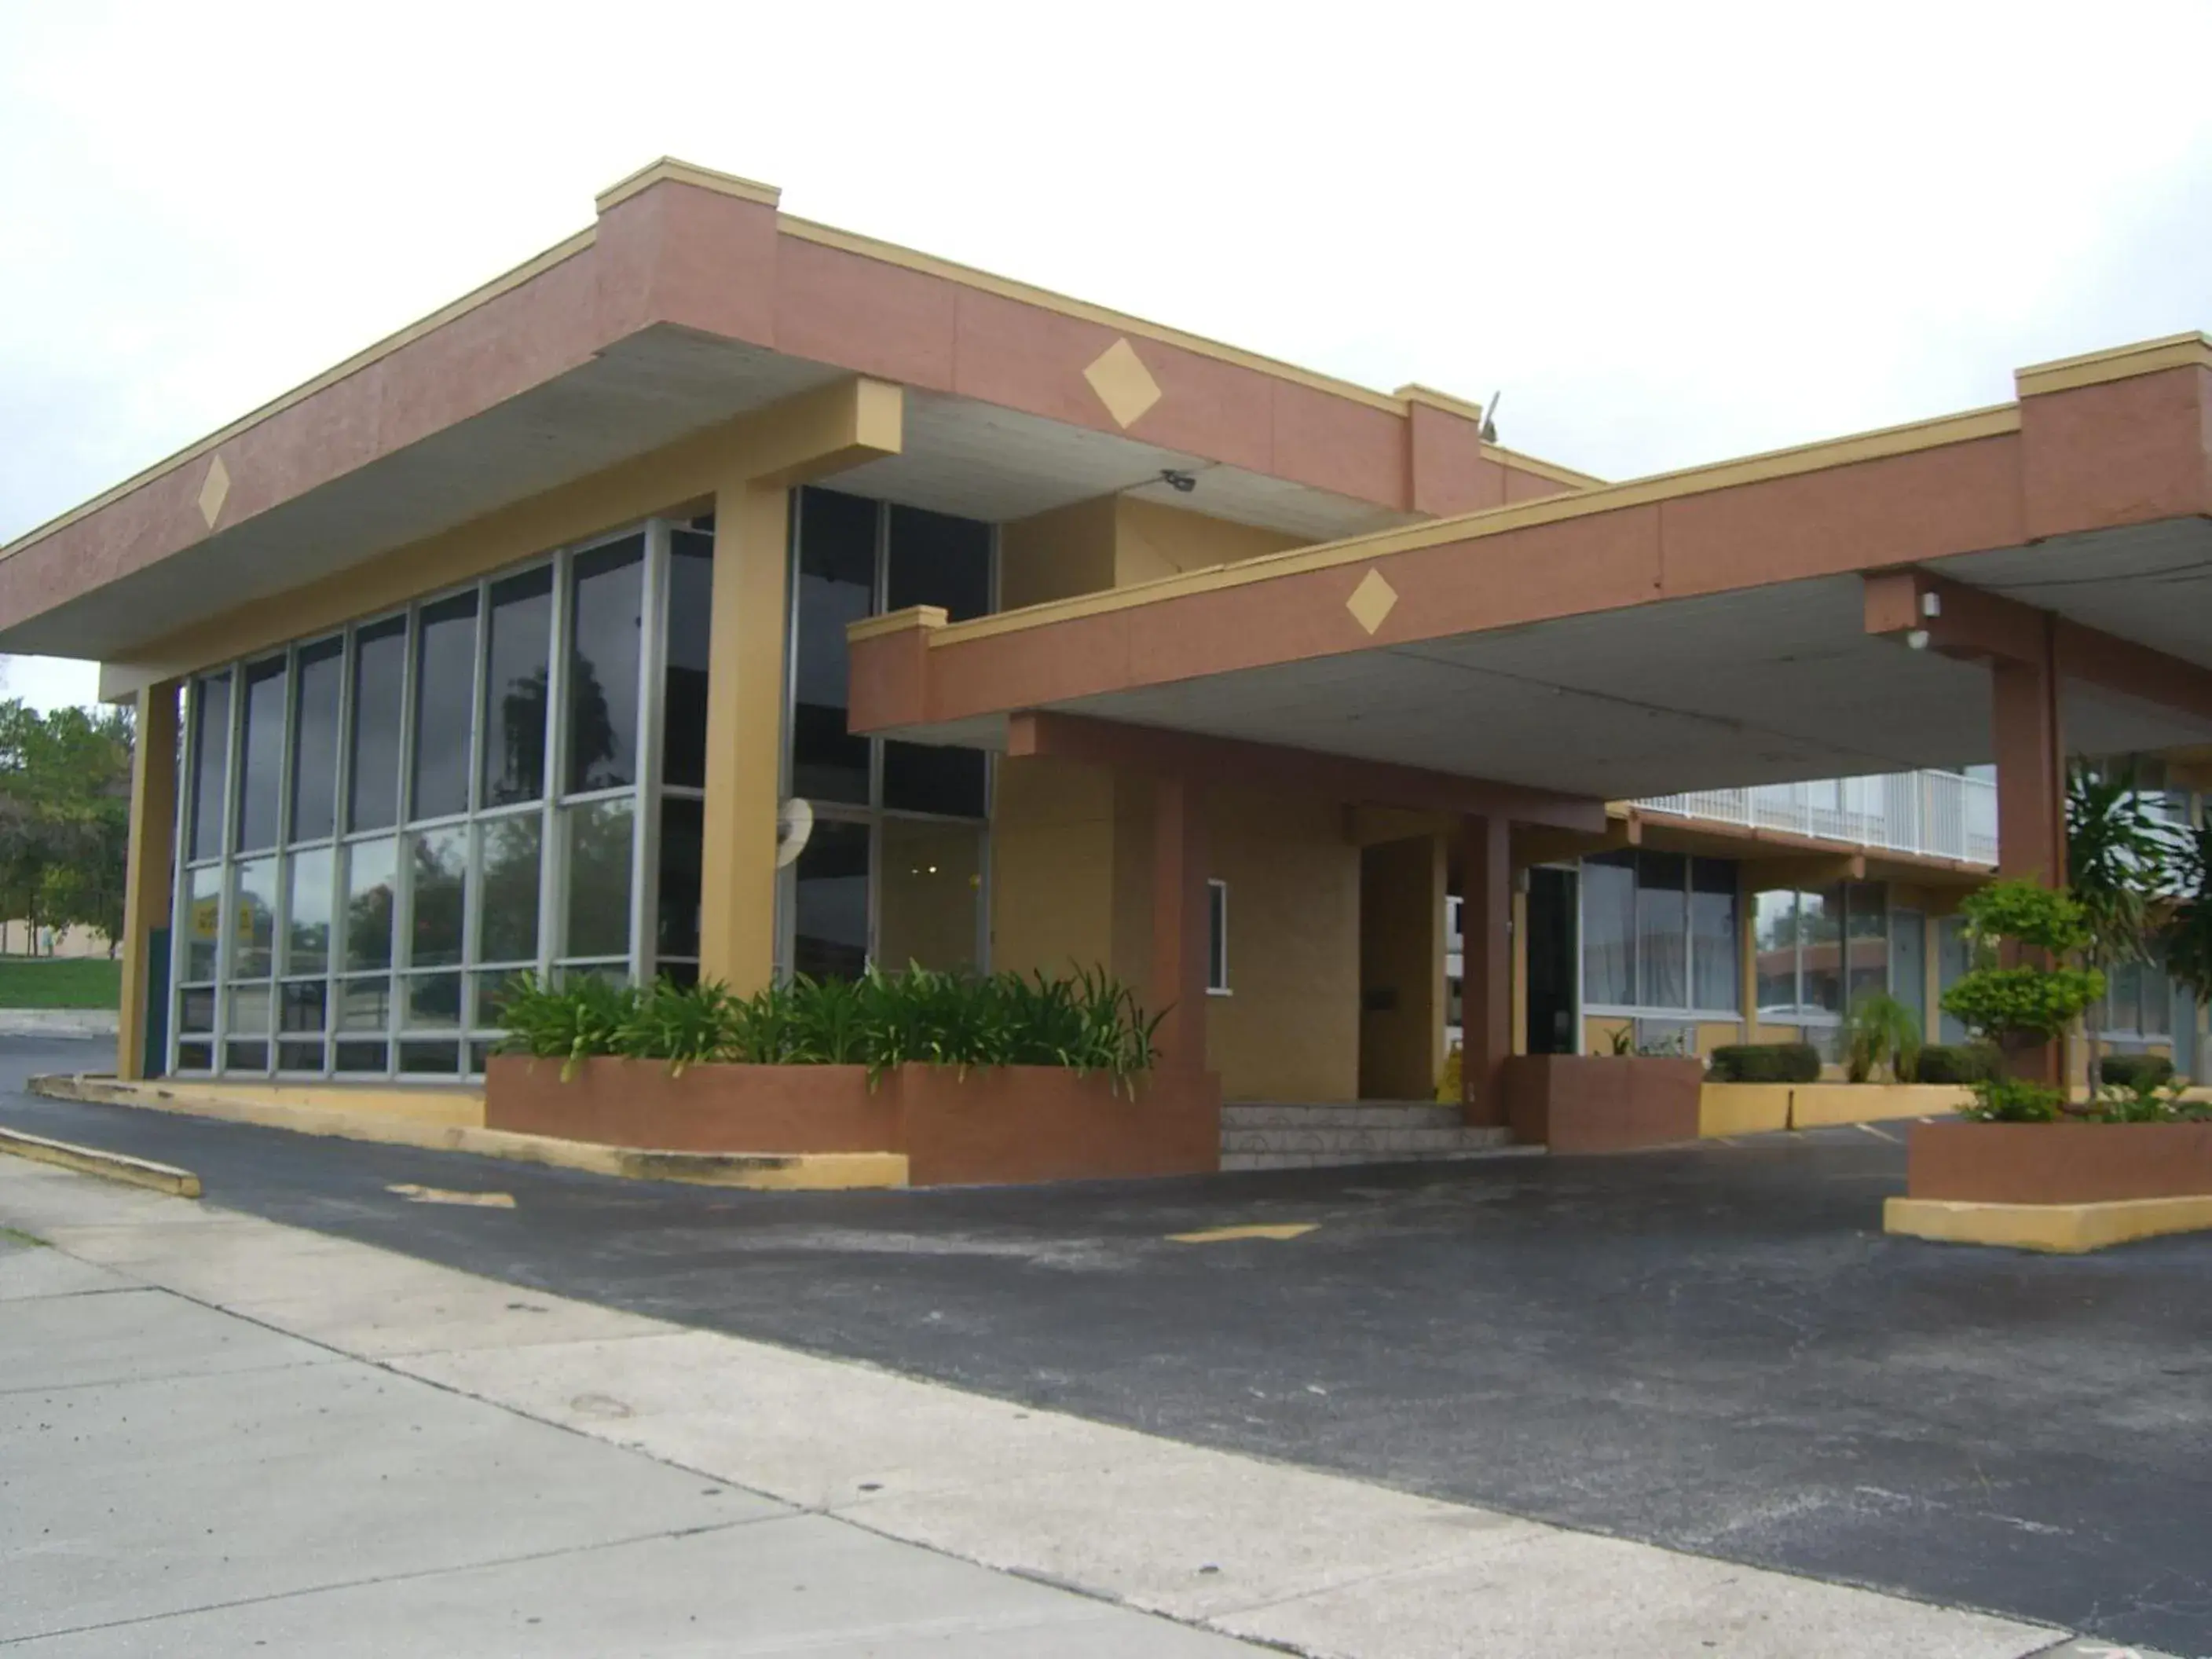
{"x":2123,"y":996}
{"x":202,"y":919}
{"x":681,"y":838}
{"x":926,"y":778}
{"x":931,"y":885}
{"x":508,"y":929}
{"x":1662,"y":941}
{"x":195,"y":1057}
{"x":195,"y":1010}
{"x":359,"y":1057}
{"x":303,"y":1005}
{"x":245,"y":1011}
{"x":1775,"y":923}
{"x":1609,"y":929}
{"x":253,"y":917}
{"x":515,"y":687}
{"x":300,"y":1056}
{"x":683,"y":973}
{"x":439,"y":1058}
{"x":245,"y":1056}
{"x":607,"y":607}
{"x":433,"y":1003}
{"x":316,"y":684}
{"x":831,"y":923}
{"x":364,"y":1005}
{"x":440,"y":862}
{"x":599,"y":871}
{"x":1713,"y":946}
{"x":372,"y":874}
{"x":261,"y":754}
{"x":1821,"y":925}
{"x":1866,"y":938}
{"x":307,"y":911}
{"x":379,"y":680}
{"x":1216,"y":935}
{"x":837,"y":586}
{"x":444,"y":700}
{"x":479,"y":1058}
{"x":690,"y":622}
{"x":493,"y":988}
{"x":937,"y":559}
{"x":1908,"y":962}
{"x":210,"y":762}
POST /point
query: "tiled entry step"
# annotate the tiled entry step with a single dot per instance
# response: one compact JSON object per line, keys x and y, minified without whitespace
{"x":1259,"y":1136}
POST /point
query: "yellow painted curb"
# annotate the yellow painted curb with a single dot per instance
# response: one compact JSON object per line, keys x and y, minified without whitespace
{"x":2066,"y":1229}
{"x":90,"y":1160}
{"x":1820,"y":1105}
{"x":1742,"y":1108}
{"x":762,"y":1171}
{"x":1278,"y":1231}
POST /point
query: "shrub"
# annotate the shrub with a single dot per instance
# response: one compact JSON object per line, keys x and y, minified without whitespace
{"x":2008,"y":1100}
{"x":2042,"y":918}
{"x":1766,"y":1062}
{"x":1964,"y":1062}
{"x":1880,"y":1031}
{"x":2026,"y":1000}
{"x":1089,"y":1022}
{"x":2135,"y":1072}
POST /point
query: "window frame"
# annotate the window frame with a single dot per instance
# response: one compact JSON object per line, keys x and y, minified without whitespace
{"x":1217,"y":938}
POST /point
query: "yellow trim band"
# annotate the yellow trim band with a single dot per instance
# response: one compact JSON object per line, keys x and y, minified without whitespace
{"x":669,"y":169}
{"x":2062,"y":1229}
{"x":2119,"y":364}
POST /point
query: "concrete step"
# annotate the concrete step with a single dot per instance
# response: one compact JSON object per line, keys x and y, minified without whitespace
{"x":1339,"y":1160}
{"x":1410,"y":1114}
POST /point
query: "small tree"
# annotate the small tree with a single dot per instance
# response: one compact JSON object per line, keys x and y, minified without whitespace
{"x":2030,"y":1002}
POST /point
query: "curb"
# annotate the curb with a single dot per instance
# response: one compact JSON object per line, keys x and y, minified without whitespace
{"x":2059,"y":1229}
{"x":91,"y":1161}
{"x":758,"y":1171}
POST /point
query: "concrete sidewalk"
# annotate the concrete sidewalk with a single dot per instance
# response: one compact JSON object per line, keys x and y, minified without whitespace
{"x":218,"y":1430}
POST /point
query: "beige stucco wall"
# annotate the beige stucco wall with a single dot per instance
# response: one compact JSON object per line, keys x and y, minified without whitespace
{"x":1112,"y":541}
{"x":1402,"y":963}
{"x":1071,"y":885}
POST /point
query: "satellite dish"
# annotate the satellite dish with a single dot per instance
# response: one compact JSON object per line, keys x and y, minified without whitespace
{"x":793,"y":825}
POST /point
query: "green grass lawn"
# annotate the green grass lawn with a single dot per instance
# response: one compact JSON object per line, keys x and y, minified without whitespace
{"x":67,"y":982}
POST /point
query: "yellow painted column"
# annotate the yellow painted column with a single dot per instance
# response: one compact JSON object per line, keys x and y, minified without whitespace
{"x":151,"y":864}
{"x":1931,"y":966}
{"x":745,"y":734}
{"x":1746,"y":971}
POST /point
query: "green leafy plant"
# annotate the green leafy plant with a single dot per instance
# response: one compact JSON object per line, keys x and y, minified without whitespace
{"x":1621,"y":1041}
{"x":1957,"y":1062}
{"x":2030,"y":1000}
{"x":1880,"y":1031}
{"x":1088,"y":1021}
{"x":1766,"y":1062}
{"x":2135,"y":1071}
{"x":2187,"y":933}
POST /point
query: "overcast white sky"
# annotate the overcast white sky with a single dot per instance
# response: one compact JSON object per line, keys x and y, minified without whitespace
{"x":1670,"y":234}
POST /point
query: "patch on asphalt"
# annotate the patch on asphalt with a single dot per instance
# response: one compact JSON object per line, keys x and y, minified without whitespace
{"x":415,"y":1195}
{"x":1223,"y":1235}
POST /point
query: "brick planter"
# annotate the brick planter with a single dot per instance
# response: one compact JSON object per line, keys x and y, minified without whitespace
{"x":1602,"y":1102}
{"x":1008,"y":1124}
{"x":2057,"y":1163}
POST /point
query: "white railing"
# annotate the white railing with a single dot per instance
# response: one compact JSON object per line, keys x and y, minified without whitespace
{"x":1934,"y":814}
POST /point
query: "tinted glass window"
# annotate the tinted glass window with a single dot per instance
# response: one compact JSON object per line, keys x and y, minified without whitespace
{"x":607,"y":594}
{"x":1775,"y":924}
{"x":379,"y":679}
{"x":837,"y":586}
{"x":598,"y":852}
{"x":372,"y":872}
{"x":515,"y":691}
{"x":832,"y":924}
{"x":1609,"y":929}
{"x":936,"y":559}
{"x":682,"y":827}
{"x":438,"y":896}
{"x":1712,"y":934}
{"x":445,"y":692}
{"x":507,"y":930}
{"x":1662,"y":945}
{"x":210,"y":762}
{"x":922,"y":778}
{"x":261,"y":754}
{"x":690,"y":625}
{"x":315,"y":739}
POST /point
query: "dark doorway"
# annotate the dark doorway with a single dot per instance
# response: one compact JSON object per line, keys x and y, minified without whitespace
{"x":1551,"y":961}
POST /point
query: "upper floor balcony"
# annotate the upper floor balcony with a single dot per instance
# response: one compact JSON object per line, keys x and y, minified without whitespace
{"x":1945,"y":815}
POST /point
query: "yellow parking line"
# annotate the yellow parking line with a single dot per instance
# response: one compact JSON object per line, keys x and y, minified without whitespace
{"x":415,"y":1195}
{"x":1223,"y":1235}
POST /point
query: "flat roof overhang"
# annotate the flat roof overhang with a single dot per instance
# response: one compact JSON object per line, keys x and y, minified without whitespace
{"x":692,"y":301}
{"x":1703,"y":630}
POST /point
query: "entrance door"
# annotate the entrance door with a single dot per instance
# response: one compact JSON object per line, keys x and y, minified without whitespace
{"x":1551,"y":952}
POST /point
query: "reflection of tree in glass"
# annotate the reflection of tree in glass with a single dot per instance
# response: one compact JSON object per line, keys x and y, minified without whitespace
{"x":438,"y":892}
{"x":598,"y":879}
{"x":509,"y":930}
{"x":591,"y":728}
{"x":522,"y":740}
{"x":368,"y":928}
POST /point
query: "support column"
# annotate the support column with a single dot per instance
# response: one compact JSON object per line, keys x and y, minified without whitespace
{"x":745,"y":734}
{"x":2031,"y":756}
{"x":1180,"y":930}
{"x":150,"y":868}
{"x":1486,"y":966}
{"x":1746,"y":953}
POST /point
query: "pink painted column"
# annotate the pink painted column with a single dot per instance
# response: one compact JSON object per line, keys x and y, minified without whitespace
{"x":1180,"y":935}
{"x":1486,"y":966}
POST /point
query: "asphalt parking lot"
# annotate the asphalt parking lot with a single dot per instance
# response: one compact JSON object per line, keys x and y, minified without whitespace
{"x":1712,"y":1349}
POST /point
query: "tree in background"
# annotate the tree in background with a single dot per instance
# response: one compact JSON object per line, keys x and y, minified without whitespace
{"x":64,"y":817}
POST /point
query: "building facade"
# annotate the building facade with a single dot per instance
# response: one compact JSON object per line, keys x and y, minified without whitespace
{"x":724,"y":596}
